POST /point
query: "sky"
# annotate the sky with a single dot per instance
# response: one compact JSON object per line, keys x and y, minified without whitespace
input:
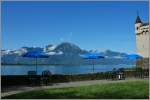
{"x":90,"y":25}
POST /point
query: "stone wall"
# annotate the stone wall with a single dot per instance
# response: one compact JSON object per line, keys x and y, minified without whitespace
{"x":142,"y":44}
{"x":142,"y":39}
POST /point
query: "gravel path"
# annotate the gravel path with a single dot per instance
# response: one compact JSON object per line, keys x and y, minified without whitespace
{"x":19,"y":89}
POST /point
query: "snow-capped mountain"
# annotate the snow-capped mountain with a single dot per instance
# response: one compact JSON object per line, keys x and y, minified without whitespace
{"x":17,"y":52}
{"x":113,"y":54}
{"x":49,"y":47}
{"x":63,"y":53}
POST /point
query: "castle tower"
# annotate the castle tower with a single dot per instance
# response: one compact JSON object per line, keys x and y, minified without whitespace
{"x":138,"y":24}
{"x":142,"y":38}
{"x":142,"y":43}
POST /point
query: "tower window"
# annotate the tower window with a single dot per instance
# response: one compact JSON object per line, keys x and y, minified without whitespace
{"x":137,"y":28}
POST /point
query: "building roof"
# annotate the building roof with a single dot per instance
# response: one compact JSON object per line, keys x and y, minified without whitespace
{"x":138,"y":20}
{"x":145,"y":24}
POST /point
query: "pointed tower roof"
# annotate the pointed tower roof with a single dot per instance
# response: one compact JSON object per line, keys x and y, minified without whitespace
{"x":138,"y":20}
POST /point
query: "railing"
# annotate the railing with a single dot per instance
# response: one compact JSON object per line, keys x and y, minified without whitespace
{"x":23,"y":79}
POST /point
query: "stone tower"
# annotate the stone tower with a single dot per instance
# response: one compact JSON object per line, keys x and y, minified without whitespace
{"x":142,"y":43}
{"x":142,"y":38}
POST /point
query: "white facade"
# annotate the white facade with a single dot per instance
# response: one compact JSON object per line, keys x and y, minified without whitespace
{"x":142,"y":39}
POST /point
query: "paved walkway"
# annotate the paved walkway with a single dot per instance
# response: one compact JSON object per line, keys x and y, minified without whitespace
{"x":19,"y":89}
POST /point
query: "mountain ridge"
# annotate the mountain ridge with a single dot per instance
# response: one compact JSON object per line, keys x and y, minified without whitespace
{"x":64,"y":53}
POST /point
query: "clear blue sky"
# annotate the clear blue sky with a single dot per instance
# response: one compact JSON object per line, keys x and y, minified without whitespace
{"x":90,"y":25}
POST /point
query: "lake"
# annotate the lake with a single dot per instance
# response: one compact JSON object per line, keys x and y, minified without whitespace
{"x":66,"y":70}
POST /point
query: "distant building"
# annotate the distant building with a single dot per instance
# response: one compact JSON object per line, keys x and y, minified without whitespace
{"x":142,"y":42}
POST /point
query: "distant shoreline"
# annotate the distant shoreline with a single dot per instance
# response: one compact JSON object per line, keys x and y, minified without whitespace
{"x":37,"y":65}
{"x":60,"y":64}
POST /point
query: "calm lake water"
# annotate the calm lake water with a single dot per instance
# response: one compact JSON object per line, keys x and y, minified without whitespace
{"x":22,"y":70}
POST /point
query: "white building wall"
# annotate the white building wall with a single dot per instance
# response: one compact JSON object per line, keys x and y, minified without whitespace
{"x":142,"y":41}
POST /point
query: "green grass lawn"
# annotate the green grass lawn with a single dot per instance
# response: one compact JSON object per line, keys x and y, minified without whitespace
{"x":126,"y":90}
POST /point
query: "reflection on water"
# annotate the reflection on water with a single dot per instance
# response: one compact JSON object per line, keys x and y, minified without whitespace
{"x":23,"y":69}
